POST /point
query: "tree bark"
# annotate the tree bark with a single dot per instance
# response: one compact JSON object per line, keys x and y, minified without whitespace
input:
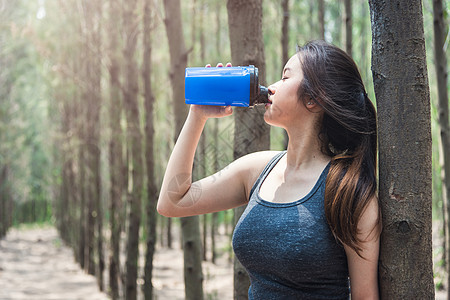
{"x":215,"y":135}
{"x":82,"y":187}
{"x":251,"y":133}
{"x":285,"y":49}
{"x":4,"y":198}
{"x":322,"y":19}
{"x":92,"y":12}
{"x":115,"y":152}
{"x":363,"y":65}
{"x":401,"y":87}
{"x":80,"y":125}
{"x":96,"y":148}
{"x":285,"y":33}
{"x":131,"y":90}
{"x":89,"y":138}
{"x":348,"y":26}
{"x":152,"y":196}
{"x":193,"y":275}
{"x":443,"y":116}
{"x":201,"y":158}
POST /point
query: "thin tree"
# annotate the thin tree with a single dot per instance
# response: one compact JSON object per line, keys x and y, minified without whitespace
{"x":202,"y":143}
{"x":363,"y":64}
{"x":285,"y":32}
{"x":88,"y":138}
{"x":190,"y":226}
{"x":130,"y":98}
{"x":115,"y":150}
{"x":403,"y":101}
{"x":443,"y":116}
{"x":152,"y":196}
{"x":95,"y":142}
{"x":251,"y":133}
{"x":348,"y":26}
{"x":215,"y":135}
{"x":4,"y":201}
{"x":285,"y":48}
{"x":321,"y":15}
{"x":80,"y":130}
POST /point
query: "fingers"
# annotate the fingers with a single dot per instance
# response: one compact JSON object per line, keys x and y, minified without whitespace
{"x":228,"y":110}
{"x":219,"y":65}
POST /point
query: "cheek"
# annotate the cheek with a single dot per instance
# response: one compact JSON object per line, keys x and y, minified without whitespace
{"x":278,"y":113}
{"x":293,"y":90}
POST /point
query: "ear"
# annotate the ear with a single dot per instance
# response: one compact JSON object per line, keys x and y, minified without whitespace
{"x":312,"y":106}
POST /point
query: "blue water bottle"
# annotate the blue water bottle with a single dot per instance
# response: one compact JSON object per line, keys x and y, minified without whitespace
{"x":235,"y":86}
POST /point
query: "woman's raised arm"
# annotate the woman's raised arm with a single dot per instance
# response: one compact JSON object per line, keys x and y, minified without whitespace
{"x":226,"y":189}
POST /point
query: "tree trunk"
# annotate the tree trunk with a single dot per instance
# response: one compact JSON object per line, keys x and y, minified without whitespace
{"x":322,"y":19}
{"x":89,"y":137}
{"x":285,"y":49}
{"x":285,"y":33}
{"x":215,"y":136}
{"x":193,"y":275}
{"x":201,"y":158}
{"x":82,"y":188}
{"x":2,"y":202}
{"x":64,"y":190}
{"x":4,"y":198}
{"x":443,"y":116}
{"x":401,"y":87}
{"x":96,"y":148}
{"x":152,"y":196}
{"x":251,"y":133}
{"x":81,"y":128}
{"x":93,"y":102}
{"x":115,"y":152}
{"x":363,"y":64}
{"x":134,"y":135}
{"x":348,"y":26}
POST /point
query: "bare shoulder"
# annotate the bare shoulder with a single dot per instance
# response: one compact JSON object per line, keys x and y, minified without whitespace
{"x":256,"y":161}
{"x":369,"y":225}
{"x":251,"y":165}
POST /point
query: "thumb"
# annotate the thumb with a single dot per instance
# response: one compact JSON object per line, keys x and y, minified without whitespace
{"x":228,"y":110}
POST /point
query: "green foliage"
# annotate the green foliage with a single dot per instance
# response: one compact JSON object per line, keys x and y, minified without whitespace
{"x":24,"y":146}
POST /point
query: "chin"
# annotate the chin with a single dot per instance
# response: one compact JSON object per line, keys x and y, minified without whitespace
{"x":268,"y":118}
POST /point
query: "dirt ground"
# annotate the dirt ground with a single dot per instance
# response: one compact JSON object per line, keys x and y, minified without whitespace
{"x":34,"y":264}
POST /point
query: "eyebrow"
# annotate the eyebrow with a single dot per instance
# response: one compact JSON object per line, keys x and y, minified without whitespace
{"x":286,"y":69}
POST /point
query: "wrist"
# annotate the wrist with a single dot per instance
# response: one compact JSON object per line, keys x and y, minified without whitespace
{"x":197,"y":116}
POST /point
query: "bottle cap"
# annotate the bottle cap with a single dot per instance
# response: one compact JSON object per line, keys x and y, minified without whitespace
{"x":258,"y":94}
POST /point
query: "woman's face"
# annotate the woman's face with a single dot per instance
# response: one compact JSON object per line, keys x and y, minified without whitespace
{"x":285,"y":106}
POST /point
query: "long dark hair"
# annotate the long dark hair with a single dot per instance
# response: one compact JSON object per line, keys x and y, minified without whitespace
{"x":348,"y":134}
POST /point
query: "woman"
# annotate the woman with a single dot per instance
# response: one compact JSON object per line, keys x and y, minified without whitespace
{"x":312,"y":219}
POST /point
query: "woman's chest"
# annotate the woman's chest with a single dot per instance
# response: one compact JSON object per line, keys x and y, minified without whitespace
{"x":295,"y":238}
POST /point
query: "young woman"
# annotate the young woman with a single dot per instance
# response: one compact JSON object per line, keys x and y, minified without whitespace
{"x":312,"y":219}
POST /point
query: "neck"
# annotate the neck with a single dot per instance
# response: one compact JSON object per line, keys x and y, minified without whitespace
{"x":304,"y":150}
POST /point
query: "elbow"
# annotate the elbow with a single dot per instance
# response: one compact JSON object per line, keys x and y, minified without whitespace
{"x":165,"y":209}
{"x":162,"y":210}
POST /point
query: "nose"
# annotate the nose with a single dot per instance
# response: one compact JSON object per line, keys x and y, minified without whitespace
{"x":272,"y":89}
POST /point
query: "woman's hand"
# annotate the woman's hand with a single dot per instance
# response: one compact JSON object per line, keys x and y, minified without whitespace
{"x":205,"y":112}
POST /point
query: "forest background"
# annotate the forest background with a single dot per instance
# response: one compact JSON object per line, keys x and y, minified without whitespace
{"x":88,"y":116}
